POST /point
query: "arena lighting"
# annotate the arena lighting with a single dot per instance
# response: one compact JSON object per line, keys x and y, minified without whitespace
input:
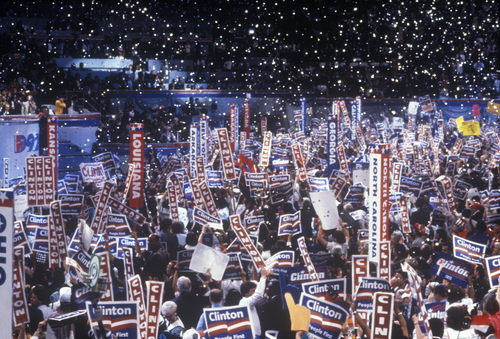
{"x":251,"y":31}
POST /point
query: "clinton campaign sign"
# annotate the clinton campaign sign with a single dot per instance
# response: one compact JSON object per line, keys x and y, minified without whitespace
{"x":119,"y":316}
{"x":326,"y":318}
{"x":468,"y":250}
{"x":229,"y":322}
{"x":366,"y":289}
{"x":493,"y":266}
{"x":451,"y":269}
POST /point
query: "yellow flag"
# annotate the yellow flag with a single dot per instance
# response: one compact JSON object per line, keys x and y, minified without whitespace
{"x":459,"y":121}
{"x":471,"y":128}
{"x":493,"y":108}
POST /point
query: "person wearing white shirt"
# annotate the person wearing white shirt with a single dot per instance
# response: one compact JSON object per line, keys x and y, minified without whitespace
{"x":252,"y":294}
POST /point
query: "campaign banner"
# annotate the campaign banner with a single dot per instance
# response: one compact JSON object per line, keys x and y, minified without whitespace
{"x":281,"y":192}
{"x":105,"y":273}
{"x":120,"y":317}
{"x":301,"y":243}
{"x":206,"y":219}
{"x":280,"y":162}
{"x":61,"y":187}
{"x":125,"y":210}
{"x":333,"y":156}
{"x":184,"y":260}
{"x":200,"y":168}
{"x":289,"y":224}
{"x":155,"y":299}
{"x":381,"y":326}
{"x":106,"y":159}
{"x":92,"y":172}
{"x":327,"y":318}
{"x":337,"y":185}
{"x":40,"y":183}
{"x":177,"y":185}
{"x":244,"y":238}
{"x":204,"y":138}
{"x":172,"y":198}
{"x":318,"y":184}
{"x":405,"y":215}
{"x":79,"y":265}
{"x":6,"y":168}
{"x":360,"y":269}
{"x":299,"y":162}
{"x":117,"y":226}
{"x":320,"y":258}
{"x":41,"y":240}
{"x":494,"y":199}
{"x":233,"y":268}
{"x":233,"y":126}
{"x":384,"y":262}
{"x":332,"y":290}
{"x":226,"y":154}
{"x":263,"y":124}
{"x":445,"y":188}
{"x":299,"y":274}
{"x":378,"y":199}
{"x":136,"y":198}
{"x":71,"y":204}
{"x":208,"y":199}
{"x":19,"y":303}
{"x":21,"y":241}
{"x":355,"y":194}
{"x":266,"y":150}
{"x":276,"y":180}
{"x":100,"y":207}
{"x":253,"y":223}
{"x":52,"y":141}
{"x":467,"y":250}
{"x":451,"y":269}
{"x":124,"y":243}
{"x":72,"y":182}
{"x":214,"y":179}
{"x":232,"y":322}
{"x":197,"y":196}
{"x":365,"y":291}
{"x":493,"y":266}
{"x":281,"y":260}
{"x":410,"y":186}
{"x":436,"y":310}
{"x":396,"y":176}
{"x":53,"y":249}
{"x":246,"y":118}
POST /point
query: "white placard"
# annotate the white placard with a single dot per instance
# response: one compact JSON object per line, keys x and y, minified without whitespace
{"x":205,"y":258}
{"x":325,"y":209}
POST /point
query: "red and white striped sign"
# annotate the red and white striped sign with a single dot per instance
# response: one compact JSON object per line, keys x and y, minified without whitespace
{"x":137,"y":158}
{"x":54,"y":260}
{"x":266,"y":150}
{"x":301,"y":242}
{"x":52,"y":142}
{"x":396,"y":176}
{"x":198,"y":197}
{"x":135,"y":294}
{"x":129,"y":181}
{"x":243,"y":237}
{"x":208,"y":198}
{"x":226,"y":154}
{"x":58,"y":224}
{"x":299,"y":162}
{"x":19,"y":303}
{"x":172,"y":199}
{"x":98,"y":220}
{"x":200,"y":168}
{"x":246,"y":119}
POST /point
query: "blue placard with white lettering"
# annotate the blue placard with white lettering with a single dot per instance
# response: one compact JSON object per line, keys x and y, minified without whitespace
{"x":436,"y":310}
{"x":298,"y":275}
{"x":365,"y":291}
{"x":333,"y":290}
{"x":229,"y":322}
{"x":468,"y":250}
{"x":493,"y":266}
{"x":451,"y":269}
{"x":121,"y":317}
{"x":332,"y":142}
{"x":184,"y":260}
{"x":326,"y":318}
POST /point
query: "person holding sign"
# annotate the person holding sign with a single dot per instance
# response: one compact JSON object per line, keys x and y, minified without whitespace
{"x":252,"y":294}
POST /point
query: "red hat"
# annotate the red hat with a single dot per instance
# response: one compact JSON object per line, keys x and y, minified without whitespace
{"x":475,"y":204}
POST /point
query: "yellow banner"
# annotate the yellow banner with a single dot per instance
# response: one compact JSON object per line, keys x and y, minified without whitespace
{"x":459,"y":121}
{"x":493,"y":108}
{"x":471,"y":128}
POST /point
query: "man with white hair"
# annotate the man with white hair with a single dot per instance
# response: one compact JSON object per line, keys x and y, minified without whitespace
{"x":189,"y":305}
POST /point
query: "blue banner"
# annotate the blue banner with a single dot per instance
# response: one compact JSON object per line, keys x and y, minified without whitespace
{"x":326,"y":318}
{"x":333,"y":158}
{"x":333,"y":290}
{"x":365,"y":291}
{"x":468,"y":250}
{"x":451,"y":269}
{"x":121,"y":317}
{"x":229,"y":322}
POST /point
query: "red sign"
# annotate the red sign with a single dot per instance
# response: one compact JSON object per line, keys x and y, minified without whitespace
{"x":384,"y":266}
{"x":342,"y":159}
{"x":234,"y":125}
{"x":359,"y":269}
{"x":337,"y":185}
{"x":242,"y":235}
{"x":54,"y":260}
{"x":19,"y":303}
{"x":58,"y":224}
{"x":198,"y":197}
{"x":200,"y":168}
{"x":405,"y":216}
{"x":266,"y":150}
{"x":246,"y":118}
{"x":52,"y":142}
{"x":226,"y":154}
{"x":263,"y":125}
{"x":299,"y":162}
{"x":135,"y":294}
{"x":155,"y":298}
{"x":396,"y":176}
{"x":137,"y":158}
{"x":40,"y":180}
{"x":129,"y":180}
{"x":475,"y":111}
{"x":106,"y":274}
{"x":383,"y":304}
{"x":172,"y":198}
{"x":124,"y":209}
{"x":98,"y":220}
{"x":208,"y":198}
{"x":301,"y":242}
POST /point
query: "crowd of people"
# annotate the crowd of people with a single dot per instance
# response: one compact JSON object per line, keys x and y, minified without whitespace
{"x":375,"y":50}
